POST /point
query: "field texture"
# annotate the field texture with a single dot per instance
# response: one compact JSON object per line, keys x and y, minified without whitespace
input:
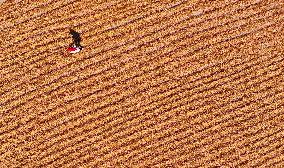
{"x":171,"y":83}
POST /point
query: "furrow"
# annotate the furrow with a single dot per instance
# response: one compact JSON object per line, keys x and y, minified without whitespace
{"x":50,"y":72}
{"x":83,"y":21}
{"x":202,"y":139}
{"x":161,"y":139}
{"x":48,"y":10}
{"x":13,"y":9}
{"x":52,"y":33}
{"x":95,"y":47}
{"x":35,"y":62}
{"x":60,"y":18}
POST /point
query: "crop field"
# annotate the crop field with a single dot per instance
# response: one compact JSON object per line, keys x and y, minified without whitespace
{"x":169,"y":83}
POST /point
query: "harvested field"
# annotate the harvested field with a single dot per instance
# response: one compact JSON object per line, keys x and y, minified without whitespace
{"x":158,"y":83}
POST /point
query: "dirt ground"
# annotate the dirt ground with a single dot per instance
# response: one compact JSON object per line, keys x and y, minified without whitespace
{"x":158,"y":83}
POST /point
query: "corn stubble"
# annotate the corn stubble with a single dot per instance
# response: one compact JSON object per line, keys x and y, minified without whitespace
{"x":162,"y":83}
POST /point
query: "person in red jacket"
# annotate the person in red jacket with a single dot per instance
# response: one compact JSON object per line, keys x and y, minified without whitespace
{"x":75,"y":47}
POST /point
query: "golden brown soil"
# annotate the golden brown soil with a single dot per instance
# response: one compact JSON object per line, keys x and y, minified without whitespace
{"x":158,"y":84}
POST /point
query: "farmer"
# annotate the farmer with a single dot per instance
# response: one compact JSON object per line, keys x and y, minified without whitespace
{"x":75,"y":47}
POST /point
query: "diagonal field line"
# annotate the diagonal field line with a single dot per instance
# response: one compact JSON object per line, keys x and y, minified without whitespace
{"x":277,"y":163}
{"x":12,"y":5}
{"x":240,"y":130}
{"x":245,"y":162}
{"x":88,"y":148}
{"x":94,"y":28}
{"x":38,"y":15}
{"x":32,"y":62}
{"x":50,"y":2}
{"x":211,"y":142}
{"x":222,"y":153}
{"x":199,"y":139}
{"x":55,"y":30}
{"x":75,"y":71}
{"x":61,"y":67}
{"x":121,"y":149}
{"x":279,"y":148}
{"x":177,"y":149}
{"x":158,"y":84}
{"x":65,"y":66}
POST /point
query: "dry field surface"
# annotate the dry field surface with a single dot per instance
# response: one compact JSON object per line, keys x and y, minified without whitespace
{"x":158,"y":84}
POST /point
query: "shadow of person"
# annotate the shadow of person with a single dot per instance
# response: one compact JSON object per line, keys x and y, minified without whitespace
{"x":76,"y":38}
